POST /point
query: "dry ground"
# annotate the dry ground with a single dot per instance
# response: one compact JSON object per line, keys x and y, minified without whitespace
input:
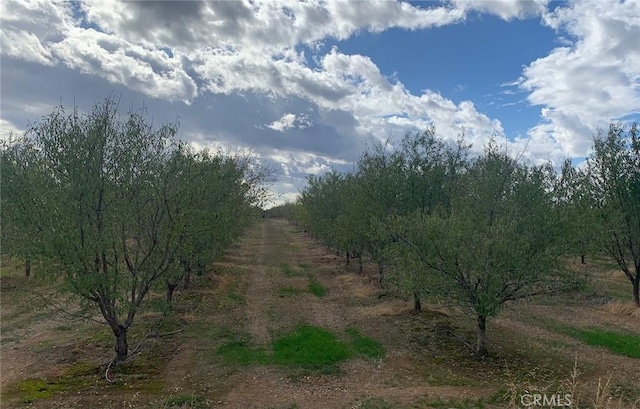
{"x":259,"y":292}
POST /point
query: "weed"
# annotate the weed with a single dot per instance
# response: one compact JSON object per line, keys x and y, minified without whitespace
{"x":598,"y":395}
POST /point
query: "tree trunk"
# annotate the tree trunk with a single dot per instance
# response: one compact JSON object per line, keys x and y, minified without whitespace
{"x":482,"y":347}
{"x":187,"y":278}
{"x":380,"y":274}
{"x":417,"y":304}
{"x":170,"y":289}
{"x":122,"y":348}
{"x":636,"y":288}
{"x":582,"y":258}
{"x":347,"y":258}
{"x":27,"y":268}
{"x":360,"y":264}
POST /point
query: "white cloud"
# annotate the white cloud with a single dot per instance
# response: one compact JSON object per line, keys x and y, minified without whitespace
{"x":261,"y":23}
{"x":21,"y":44}
{"x":149,"y":71}
{"x":244,"y":52}
{"x":591,"y":82}
{"x":9,"y":131}
{"x":235,"y":47}
{"x":289,"y":121}
{"x":506,"y":9}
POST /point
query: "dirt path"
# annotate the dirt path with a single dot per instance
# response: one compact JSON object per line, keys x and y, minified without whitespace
{"x":279,"y":247}
{"x":259,"y":289}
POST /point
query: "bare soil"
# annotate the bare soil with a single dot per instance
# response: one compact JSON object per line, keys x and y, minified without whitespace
{"x":258,"y":293}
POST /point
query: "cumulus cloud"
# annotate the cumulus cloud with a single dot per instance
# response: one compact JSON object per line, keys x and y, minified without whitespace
{"x":506,"y":9}
{"x":260,"y":23}
{"x":177,"y":50}
{"x":149,"y":71}
{"x":256,"y":72}
{"x":592,"y":80}
{"x":21,"y":44}
{"x":289,"y":121}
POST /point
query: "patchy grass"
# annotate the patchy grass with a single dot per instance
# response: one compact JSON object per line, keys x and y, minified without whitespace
{"x":235,"y":297}
{"x":619,"y":344}
{"x":306,"y":347}
{"x":189,"y":401}
{"x":289,"y":291}
{"x":30,"y":390}
{"x":309,"y":347}
{"x":43,"y":346}
{"x":240,"y":352}
{"x":316,"y":288}
{"x":455,"y":403}
{"x":372,"y":402}
{"x":365,"y":346}
{"x":287,"y":270}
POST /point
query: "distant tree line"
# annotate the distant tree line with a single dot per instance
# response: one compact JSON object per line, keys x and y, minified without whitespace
{"x":114,"y":207}
{"x":479,"y":231}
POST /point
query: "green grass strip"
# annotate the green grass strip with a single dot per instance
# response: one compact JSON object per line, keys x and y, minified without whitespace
{"x":309,"y":347}
{"x":619,"y":344}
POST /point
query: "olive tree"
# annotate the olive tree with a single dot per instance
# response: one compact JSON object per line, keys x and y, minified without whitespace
{"x":501,"y":240}
{"x":210,"y":207}
{"x":614,"y":170}
{"x":432,"y":172}
{"x":574,"y":198}
{"x":102,"y":207}
{"x":23,"y":215}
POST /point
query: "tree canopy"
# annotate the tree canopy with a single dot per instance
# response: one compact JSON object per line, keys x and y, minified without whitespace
{"x":118,"y":206}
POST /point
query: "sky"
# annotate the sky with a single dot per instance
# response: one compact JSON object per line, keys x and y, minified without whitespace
{"x":307,"y":86}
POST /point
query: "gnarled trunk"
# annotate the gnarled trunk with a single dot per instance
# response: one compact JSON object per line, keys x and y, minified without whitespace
{"x":481,"y":348}
{"x":170,"y":289}
{"x":27,"y":268}
{"x":360,"y":268}
{"x":380,"y":274}
{"x":582,"y":256}
{"x":122,"y":348}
